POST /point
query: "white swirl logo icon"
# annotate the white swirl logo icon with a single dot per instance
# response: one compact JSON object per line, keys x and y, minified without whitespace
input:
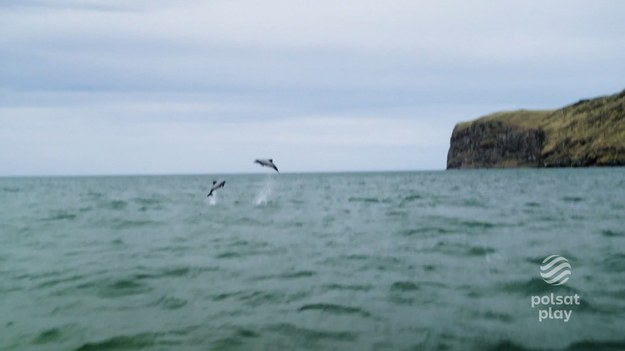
{"x":555,"y":270}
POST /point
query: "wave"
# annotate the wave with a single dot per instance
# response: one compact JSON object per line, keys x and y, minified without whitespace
{"x":424,"y":230}
{"x":54,"y":282}
{"x":8,"y":189}
{"x":272,"y":297}
{"x":457,"y":249}
{"x":92,"y":194}
{"x":411,"y":198}
{"x":348,"y":287}
{"x":572,"y":199}
{"x":123,"y":342}
{"x":404,"y":286}
{"x":107,"y":288}
{"x":584,"y":345}
{"x":169,"y":303}
{"x":174,"y":272}
{"x":123,"y":287}
{"x":48,"y":336}
{"x":298,"y":274}
{"x":287,"y":276}
{"x":147,"y":201}
{"x":115,"y":205}
{"x":478,"y":224}
{"x":612,"y":233}
{"x":254,"y":298}
{"x":606,"y":345}
{"x":532,"y":204}
{"x":334,"y":309}
{"x":614,"y":263}
{"x":130,"y":224}
{"x":229,"y":254}
{"x":536,"y":286}
{"x":311,"y":335}
{"x":368,"y":199}
{"x":60,"y":216}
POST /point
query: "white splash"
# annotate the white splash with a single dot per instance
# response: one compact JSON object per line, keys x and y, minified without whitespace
{"x":265,"y":191}
{"x":212,"y":200}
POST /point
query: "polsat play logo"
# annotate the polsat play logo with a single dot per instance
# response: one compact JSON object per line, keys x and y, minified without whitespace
{"x":555,"y":270}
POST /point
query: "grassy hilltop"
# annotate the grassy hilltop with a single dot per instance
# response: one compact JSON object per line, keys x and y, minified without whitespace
{"x":587,"y":133}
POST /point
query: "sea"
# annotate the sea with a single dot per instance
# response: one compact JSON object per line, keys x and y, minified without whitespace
{"x":440,"y":260}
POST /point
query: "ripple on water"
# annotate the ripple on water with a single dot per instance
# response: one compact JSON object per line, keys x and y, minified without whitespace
{"x":236,"y":340}
{"x":120,"y":224}
{"x":478,"y":224}
{"x":123,"y":342}
{"x":8,"y":189}
{"x":123,"y":287}
{"x":404,"y":286}
{"x":109,"y":288}
{"x":424,"y":231}
{"x":146,"y":201}
{"x":286,"y":275}
{"x":572,"y":199}
{"x":169,"y":303}
{"x":614,"y":263}
{"x":258,"y":298}
{"x":494,"y":316}
{"x":57,"y":281}
{"x":536,"y":286}
{"x":404,"y":293}
{"x":48,"y":336}
{"x":307,"y":336}
{"x":352,"y":287}
{"x":612,"y":233}
{"x":584,"y":345}
{"x":334,"y":309}
{"x":411,"y":198}
{"x":297,"y":274}
{"x":457,"y":249}
{"x":60,"y":216}
{"x":364,"y":199}
{"x":115,"y":205}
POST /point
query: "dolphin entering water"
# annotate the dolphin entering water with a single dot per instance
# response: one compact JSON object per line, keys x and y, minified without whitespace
{"x":267,"y":163}
{"x":216,"y":185}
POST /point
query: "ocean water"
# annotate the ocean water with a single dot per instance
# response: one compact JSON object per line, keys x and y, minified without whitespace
{"x":443,"y":260}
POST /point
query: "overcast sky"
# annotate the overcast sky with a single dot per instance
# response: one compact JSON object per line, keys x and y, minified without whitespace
{"x":150,"y":86}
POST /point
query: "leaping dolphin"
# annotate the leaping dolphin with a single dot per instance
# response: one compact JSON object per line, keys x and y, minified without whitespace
{"x":267,"y":163}
{"x":216,"y":185}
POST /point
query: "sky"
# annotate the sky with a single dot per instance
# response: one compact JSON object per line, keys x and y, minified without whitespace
{"x":93,"y":87}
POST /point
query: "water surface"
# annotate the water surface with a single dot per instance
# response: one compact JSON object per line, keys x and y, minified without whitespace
{"x":356,"y":261}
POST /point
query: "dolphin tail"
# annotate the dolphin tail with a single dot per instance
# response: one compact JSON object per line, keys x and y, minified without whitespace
{"x":210,"y":194}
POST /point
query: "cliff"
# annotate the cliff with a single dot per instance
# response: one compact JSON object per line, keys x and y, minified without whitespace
{"x":587,"y":133}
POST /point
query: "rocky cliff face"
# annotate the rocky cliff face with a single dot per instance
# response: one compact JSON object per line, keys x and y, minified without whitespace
{"x":494,"y":144}
{"x":588,"y":133}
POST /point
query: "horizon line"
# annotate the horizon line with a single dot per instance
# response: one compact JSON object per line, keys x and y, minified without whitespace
{"x":208,"y":174}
